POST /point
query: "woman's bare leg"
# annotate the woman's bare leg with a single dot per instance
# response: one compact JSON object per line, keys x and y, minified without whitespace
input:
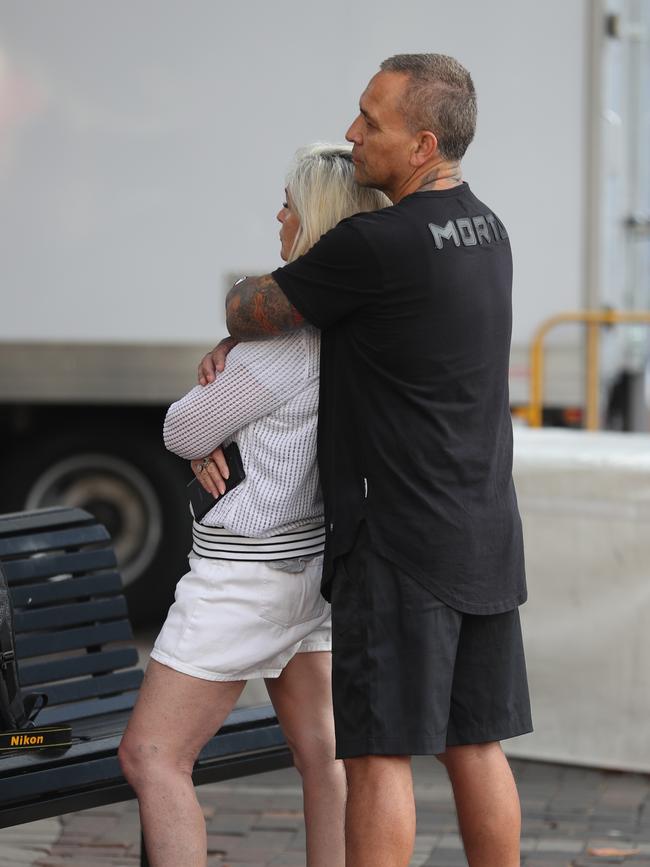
{"x":302,"y":697}
{"x":174,"y":717}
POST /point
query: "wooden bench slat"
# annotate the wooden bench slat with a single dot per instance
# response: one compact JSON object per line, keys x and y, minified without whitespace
{"x":92,"y":687}
{"x":91,"y":729}
{"x":250,"y":717}
{"x":20,"y":571}
{"x":28,"y":646}
{"x":84,"y":709}
{"x":66,"y":588}
{"x":223,"y":743}
{"x":76,"y":666}
{"x":37,"y":761}
{"x":116,"y":791}
{"x":30,"y":522}
{"x":11,"y":546}
{"x":89,"y":771}
{"x":239,"y":719}
{"x":85,"y":773}
{"x":69,"y":614}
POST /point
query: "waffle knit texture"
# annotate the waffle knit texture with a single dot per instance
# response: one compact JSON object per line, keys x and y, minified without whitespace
{"x":266,"y":400}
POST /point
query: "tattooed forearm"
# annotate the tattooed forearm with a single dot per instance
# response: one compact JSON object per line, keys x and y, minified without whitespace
{"x":258,"y":308}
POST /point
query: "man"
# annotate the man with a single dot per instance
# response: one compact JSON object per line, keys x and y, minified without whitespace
{"x":424,"y":559}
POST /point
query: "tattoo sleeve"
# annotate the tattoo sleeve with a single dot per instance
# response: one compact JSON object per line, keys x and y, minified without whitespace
{"x":257,"y":308}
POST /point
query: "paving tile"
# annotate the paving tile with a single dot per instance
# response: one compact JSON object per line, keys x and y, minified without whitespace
{"x":450,"y":841}
{"x":222,"y":843}
{"x":617,"y":843}
{"x":258,"y":822}
{"x":446,"y":859}
{"x":19,"y":856}
{"x":65,"y":851}
{"x":560,"y":844}
{"x":538,"y":825}
{"x":528,"y":844}
{"x":247,"y":863}
{"x":271,"y":841}
{"x":549,"y":861}
{"x":289,"y":859}
{"x":232,"y":823}
{"x":298,"y":842}
{"x":287,"y":820}
{"x":424,"y":846}
{"x":32,"y":837}
{"x":249,"y":856}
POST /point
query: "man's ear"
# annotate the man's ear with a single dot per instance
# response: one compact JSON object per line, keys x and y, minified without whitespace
{"x":426,"y":147}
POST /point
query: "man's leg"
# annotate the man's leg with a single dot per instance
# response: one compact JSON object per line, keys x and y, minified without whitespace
{"x":394,"y":646}
{"x":489,"y":704}
{"x":487,"y":803}
{"x":380,"y":812}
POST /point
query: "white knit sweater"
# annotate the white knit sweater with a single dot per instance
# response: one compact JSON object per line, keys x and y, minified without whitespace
{"x":267,"y":400}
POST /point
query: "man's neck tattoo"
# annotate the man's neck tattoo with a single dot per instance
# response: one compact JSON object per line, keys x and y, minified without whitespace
{"x":455,"y":177}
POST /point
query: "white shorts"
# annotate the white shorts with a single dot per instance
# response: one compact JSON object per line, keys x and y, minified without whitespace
{"x":234,"y":620}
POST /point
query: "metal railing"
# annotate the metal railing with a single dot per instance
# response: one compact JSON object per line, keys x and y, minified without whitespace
{"x":594,"y":320}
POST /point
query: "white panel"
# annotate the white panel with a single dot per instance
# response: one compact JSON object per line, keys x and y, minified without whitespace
{"x":585,"y":504}
{"x":143,"y":146}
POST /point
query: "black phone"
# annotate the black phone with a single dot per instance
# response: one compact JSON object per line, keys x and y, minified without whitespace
{"x":202,"y":501}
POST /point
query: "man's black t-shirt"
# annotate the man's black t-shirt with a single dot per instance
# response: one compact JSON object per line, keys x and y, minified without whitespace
{"x":415,"y":435}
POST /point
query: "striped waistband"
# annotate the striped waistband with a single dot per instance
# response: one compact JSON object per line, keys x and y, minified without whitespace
{"x":217,"y":543}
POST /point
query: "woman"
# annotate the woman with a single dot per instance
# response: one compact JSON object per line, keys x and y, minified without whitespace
{"x":250,"y":606}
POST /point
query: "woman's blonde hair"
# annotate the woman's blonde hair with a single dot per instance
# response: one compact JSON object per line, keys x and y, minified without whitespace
{"x":323,"y":192}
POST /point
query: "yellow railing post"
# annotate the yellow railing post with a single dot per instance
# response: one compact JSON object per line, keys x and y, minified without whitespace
{"x":592,"y":384}
{"x":594,"y":320}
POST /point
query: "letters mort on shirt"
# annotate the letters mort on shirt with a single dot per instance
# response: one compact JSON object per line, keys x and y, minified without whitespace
{"x":469,"y":231}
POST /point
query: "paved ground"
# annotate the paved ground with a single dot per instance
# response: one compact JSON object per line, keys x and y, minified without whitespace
{"x":573,"y":817}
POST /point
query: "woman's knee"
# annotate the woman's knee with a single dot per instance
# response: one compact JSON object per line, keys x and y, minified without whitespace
{"x":312,"y":752}
{"x":142,"y":760}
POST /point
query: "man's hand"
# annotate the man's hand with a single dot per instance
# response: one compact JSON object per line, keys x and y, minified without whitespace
{"x":212,"y":472}
{"x":215,"y":361}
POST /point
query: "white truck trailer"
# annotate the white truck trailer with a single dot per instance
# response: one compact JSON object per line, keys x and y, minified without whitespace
{"x":142,"y":154}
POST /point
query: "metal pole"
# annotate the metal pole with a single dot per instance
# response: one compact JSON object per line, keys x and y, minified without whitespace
{"x":536,"y":381}
{"x":593,"y":319}
{"x":592,"y":421}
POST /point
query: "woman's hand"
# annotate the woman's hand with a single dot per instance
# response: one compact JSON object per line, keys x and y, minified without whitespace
{"x":212,"y":472}
{"x":215,"y":361}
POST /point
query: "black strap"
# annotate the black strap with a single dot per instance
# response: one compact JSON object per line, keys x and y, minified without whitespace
{"x":16,"y":712}
{"x":34,"y":703}
{"x":11,"y":701}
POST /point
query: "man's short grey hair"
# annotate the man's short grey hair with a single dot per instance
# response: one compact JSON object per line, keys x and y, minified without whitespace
{"x":440,"y":97}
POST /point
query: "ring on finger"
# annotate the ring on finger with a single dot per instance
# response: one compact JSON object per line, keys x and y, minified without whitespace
{"x":204,"y":464}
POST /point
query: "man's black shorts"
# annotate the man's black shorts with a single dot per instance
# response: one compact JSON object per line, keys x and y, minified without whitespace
{"x":412,"y":676}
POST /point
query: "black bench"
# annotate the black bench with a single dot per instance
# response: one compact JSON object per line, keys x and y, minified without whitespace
{"x":73,"y":642}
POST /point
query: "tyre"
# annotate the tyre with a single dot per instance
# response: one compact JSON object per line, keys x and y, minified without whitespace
{"x":131,"y":485}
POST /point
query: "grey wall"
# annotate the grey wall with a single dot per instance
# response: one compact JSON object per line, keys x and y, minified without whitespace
{"x":143,"y":146}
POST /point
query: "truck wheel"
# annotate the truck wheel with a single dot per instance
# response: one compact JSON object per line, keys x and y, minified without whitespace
{"x":132,"y":486}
